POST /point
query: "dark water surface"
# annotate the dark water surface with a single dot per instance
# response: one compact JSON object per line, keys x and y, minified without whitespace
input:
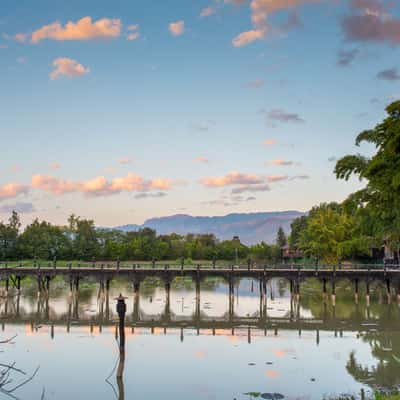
{"x":302,"y":349}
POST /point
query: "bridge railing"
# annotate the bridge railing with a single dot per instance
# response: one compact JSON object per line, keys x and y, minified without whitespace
{"x":201,"y":266}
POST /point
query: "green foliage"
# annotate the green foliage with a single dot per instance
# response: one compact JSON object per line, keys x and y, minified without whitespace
{"x":281,"y":239}
{"x":380,"y":199}
{"x":81,"y":240}
{"x":330,"y":234}
{"x":297,"y":226}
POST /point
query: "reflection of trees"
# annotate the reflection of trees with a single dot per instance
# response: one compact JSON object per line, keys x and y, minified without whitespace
{"x":385,"y":347}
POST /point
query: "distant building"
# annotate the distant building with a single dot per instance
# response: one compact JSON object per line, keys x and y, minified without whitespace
{"x":289,"y":254}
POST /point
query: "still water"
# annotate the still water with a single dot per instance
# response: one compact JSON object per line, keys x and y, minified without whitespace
{"x":304,"y":348}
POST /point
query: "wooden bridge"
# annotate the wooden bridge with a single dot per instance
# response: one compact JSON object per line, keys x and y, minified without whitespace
{"x":136,"y":273}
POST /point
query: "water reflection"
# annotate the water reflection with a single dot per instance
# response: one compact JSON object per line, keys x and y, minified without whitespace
{"x":368,"y":355}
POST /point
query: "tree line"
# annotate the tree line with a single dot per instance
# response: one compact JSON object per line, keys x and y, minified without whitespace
{"x":79,"y":239}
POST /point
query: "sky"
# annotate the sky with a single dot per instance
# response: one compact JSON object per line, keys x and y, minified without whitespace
{"x":125,"y":110}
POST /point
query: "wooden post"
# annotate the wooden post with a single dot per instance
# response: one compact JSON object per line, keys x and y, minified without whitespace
{"x":121,"y":310}
{"x":333,"y":292}
{"x":324,"y":288}
{"x":7,"y":286}
{"x":367,"y":293}
{"x":18,"y":284}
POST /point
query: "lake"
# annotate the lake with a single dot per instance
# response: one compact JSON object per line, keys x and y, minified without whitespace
{"x":303,"y":348}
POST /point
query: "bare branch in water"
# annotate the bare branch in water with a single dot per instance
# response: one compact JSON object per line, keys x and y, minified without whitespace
{"x":8,"y":340}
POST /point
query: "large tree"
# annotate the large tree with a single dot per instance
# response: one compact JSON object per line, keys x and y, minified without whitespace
{"x":380,"y":199}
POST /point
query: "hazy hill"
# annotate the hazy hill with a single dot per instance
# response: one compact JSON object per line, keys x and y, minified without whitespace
{"x":251,"y":227}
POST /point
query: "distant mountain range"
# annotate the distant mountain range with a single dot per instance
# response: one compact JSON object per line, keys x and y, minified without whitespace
{"x":251,"y":228}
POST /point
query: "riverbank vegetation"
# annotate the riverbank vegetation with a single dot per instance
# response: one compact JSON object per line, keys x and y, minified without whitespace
{"x":368,"y":218}
{"x":80,"y":240}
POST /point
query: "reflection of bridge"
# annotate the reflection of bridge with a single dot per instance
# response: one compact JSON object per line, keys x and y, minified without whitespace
{"x":137,"y":274}
{"x":229,"y":322}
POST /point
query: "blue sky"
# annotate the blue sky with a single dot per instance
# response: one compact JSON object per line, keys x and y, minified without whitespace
{"x":239,"y":110}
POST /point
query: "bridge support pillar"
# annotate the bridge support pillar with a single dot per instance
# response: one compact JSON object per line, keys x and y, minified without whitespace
{"x":398,"y":291}
{"x":388,"y":291}
{"x":333,"y":292}
{"x":367,"y":295}
{"x":249,"y":335}
{"x":356,"y":291}
{"x":297,"y":285}
{"x":77,"y":284}
{"x":231,"y":298}
{"x":262,"y":299}
{"x":324,"y":291}
{"x":197,"y":297}
{"x":18,"y":284}
{"x":167,"y":311}
{"x":136,"y":301}
{"x":7,"y":283}
{"x":40,"y":288}
{"x":48,"y":285}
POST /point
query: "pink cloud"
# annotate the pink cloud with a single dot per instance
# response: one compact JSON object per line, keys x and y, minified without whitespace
{"x":84,"y":29}
{"x":55,"y":165}
{"x":133,"y":32}
{"x":206,"y":12}
{"x":372,"y":28}
{"x":202,"y":159}
{"x":282,"y":162}
{"x":247,"y":37}
{"x":177,"y":28}
{"x":260,"y":11}
{"x":67,"y":67}
{"x":277,"y":178}
{"x":233,"y":178}
{"x":12,"y":189}
{"x":100,"y":186}
{"x":54,"y":185}
{"x":269,"y":142}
